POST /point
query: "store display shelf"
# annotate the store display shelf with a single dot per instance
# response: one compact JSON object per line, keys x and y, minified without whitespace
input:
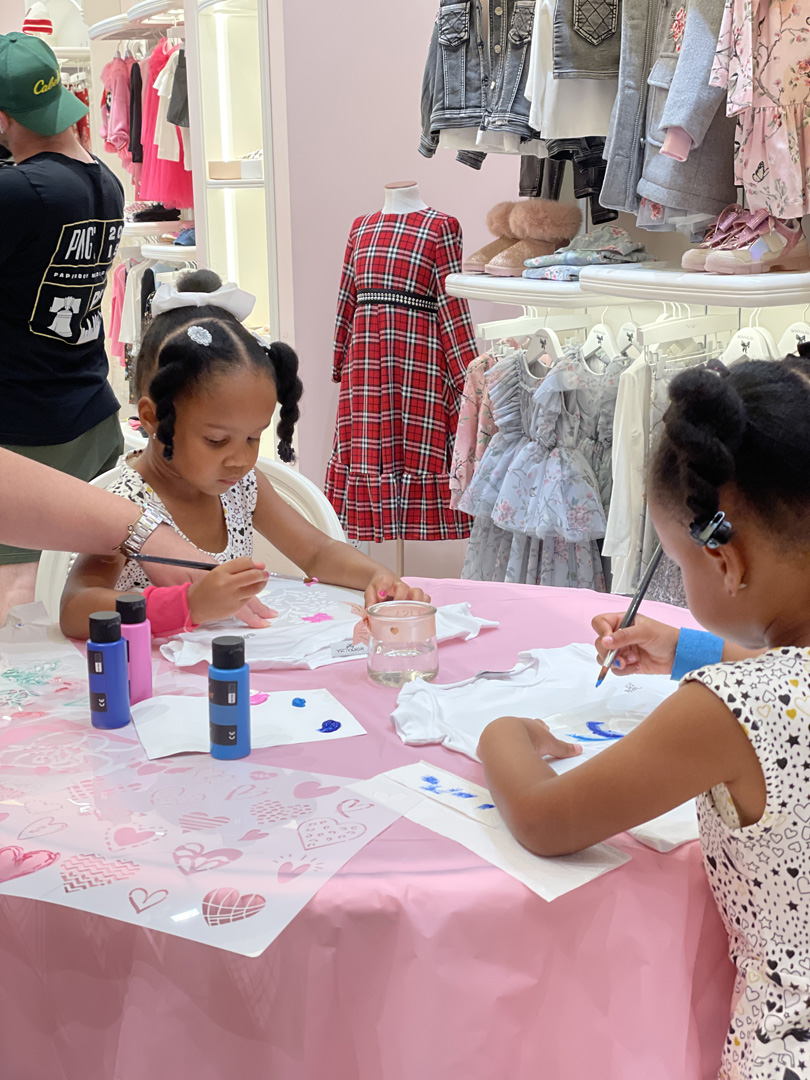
{"x":170,"y":253}
{"x":707,"y":290}
{"x":116,"y":28}
{"x":235,"y":184}
{"x":142,"y":20}
{"x":526,"y":292}
{"x":155,"y":228}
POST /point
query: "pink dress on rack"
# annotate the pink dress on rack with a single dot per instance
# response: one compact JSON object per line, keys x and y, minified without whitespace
{"x":162,"y":181}
{"x":476,"y":426}
{"x":763,"y":58}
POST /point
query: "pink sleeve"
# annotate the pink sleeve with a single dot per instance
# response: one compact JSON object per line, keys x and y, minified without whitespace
{"x":118,"y":133}
{"x":118,"y":287}
{"x":677,"y":144}
{"x":463,"y":463}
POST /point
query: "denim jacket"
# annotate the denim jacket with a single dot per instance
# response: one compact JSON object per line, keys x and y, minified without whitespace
{"x":468,"y":84}
{"x":586,"y":39}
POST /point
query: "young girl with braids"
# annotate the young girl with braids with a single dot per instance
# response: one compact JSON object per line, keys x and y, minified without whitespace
{"x":208,"y":388}
{"x":730,"y":499}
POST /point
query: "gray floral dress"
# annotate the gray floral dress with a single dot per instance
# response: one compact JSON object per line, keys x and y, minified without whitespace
{"x":534,"y":497}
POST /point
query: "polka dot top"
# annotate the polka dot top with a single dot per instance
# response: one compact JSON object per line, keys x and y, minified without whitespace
{"x":238,"y":504}
{"x":760,"y":874}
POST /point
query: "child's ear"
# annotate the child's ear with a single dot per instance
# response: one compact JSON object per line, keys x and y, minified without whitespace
{"x":729,"y":561}
{"x":148,"y":415}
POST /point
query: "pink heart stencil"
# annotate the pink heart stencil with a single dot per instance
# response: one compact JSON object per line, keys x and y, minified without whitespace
{"x":271,"y":811}
{"x":129,"y":836}
{"x":144,"y":770}
{"x":142,"y":900}
{"x":353,"y":806}
{"x":288,"y":872}
{"x":222,"y":906}
{"x":257,"y":774}
{"x":14,"y":862}
{"x":45,"y":826}
{"x":322,"y":832}
{"x":193,"y":858}
{"x":90,"y":871}
{"x":311,"y":789}
{"x":253,"y":834}
{"x":201,"y":822}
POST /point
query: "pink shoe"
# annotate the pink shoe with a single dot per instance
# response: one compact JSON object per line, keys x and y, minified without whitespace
{"x":764,"y":244}
{"x":727,"y":223}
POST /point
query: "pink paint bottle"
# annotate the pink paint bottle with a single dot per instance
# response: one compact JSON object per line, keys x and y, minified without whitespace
{"x":137,"y":632}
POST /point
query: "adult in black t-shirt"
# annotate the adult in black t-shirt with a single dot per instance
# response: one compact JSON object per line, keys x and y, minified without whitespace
{"x":61,"y":222}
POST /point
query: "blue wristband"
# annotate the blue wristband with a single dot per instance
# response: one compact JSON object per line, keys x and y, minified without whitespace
{"x":696,"y":648}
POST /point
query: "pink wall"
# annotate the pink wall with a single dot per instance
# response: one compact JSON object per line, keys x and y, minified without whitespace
{"x":12,"y":13}
{"x":353,"y":97}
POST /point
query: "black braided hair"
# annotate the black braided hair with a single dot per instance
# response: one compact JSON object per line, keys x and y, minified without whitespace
{"x":171,"y":363}
{"x":749,"y":427}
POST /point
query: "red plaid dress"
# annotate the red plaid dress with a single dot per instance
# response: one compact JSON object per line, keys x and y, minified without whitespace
{"x":401,"y":373}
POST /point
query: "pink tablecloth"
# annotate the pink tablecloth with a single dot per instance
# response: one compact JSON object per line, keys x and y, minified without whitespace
{"x":417,"y":962}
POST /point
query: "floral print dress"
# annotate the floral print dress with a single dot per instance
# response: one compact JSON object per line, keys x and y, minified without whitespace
{"x":534,"y":497}
{"x":476,"y":426}
{"x":763,"y":58}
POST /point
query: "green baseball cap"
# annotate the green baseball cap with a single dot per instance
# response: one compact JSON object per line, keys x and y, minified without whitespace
{"x":31,"y":90}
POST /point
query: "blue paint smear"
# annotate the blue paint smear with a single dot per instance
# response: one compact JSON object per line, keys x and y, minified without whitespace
{"x":431,"y":783}
{"x":485,"y":806}
{"x":328,"y":726}
{"x":596,"y":727}
{"x":299,"y":702}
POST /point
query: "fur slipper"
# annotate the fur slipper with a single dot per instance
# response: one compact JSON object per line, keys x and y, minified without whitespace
{"x":542,"y":226}
{"x":498,"y":225}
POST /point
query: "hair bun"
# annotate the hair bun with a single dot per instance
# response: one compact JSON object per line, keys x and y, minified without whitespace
{"x":199,"y":281}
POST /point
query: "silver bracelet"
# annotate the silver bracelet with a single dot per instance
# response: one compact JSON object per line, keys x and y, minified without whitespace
{"x":140,"y":531}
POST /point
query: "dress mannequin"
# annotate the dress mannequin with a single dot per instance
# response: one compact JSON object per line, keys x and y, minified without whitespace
{"x":402,"y":197}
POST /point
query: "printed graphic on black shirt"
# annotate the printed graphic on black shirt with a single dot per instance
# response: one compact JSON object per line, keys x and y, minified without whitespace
{"x":68,"y":305}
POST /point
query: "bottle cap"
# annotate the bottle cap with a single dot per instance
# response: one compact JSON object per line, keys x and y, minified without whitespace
{"x":105,"y":626}
{"x":228,"y":652}
{"x":131,"y":607}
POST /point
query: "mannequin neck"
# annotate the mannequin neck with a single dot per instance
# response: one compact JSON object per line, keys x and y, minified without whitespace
{"x":403,"y":200}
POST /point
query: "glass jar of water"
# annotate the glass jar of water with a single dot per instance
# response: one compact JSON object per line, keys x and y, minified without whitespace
{"x":403,"y":643}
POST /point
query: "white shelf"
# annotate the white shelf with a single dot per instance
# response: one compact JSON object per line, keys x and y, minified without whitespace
{"x":225,"y":184}
{"x":526,"y":292}
{"x":116,"y":28}
{"x":169,"y":252}
{"x":154,"y":228}
{"x":707,"y":290}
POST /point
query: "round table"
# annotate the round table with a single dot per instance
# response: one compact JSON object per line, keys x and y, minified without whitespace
{"x":418,"y":961}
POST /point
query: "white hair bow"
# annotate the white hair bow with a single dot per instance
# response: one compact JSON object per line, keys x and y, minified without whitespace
{"x":228,"y":296}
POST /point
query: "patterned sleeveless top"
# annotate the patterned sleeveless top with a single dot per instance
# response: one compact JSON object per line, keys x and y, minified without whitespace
{"x":238,"y":504}
{"x":760,"y":874}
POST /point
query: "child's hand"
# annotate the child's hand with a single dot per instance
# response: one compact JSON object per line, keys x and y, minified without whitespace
{"x":387,"y":586}
{"x":226,"y":590}
{"x":544,"y":743}
{"x":647,"y":647}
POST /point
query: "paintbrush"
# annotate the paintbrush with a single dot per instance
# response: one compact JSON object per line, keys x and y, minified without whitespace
{"x":632,"y":611}
{"x":190,"y":564}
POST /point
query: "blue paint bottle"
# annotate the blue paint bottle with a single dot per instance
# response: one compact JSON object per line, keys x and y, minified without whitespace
{"x":229,"y":699}
{"x":107,"y":669}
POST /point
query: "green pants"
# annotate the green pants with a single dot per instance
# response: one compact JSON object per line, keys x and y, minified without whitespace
{"x":93,"y":453}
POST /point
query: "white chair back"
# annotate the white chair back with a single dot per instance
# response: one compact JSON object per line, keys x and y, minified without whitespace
{"x":54,"y":566}
{"x":295,"y":489}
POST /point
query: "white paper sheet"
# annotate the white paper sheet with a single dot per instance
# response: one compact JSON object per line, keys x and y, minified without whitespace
{"x":312,"y":622}
{"x":224,"y":853}
{"x":176,"y":725}
{"x":548,"y":878}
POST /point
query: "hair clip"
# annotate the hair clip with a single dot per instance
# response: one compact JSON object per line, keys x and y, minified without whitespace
{"x":717,"y":532}
{"x":200,"y":335}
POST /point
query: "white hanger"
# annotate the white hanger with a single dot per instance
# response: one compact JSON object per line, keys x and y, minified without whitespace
{"x":529,"y":323}
{"x":795,"y":335}
{"x":678,"y":329}
{"x":600,"y":337}
{"x":752,"y":342}
{"x":626,"y":340}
